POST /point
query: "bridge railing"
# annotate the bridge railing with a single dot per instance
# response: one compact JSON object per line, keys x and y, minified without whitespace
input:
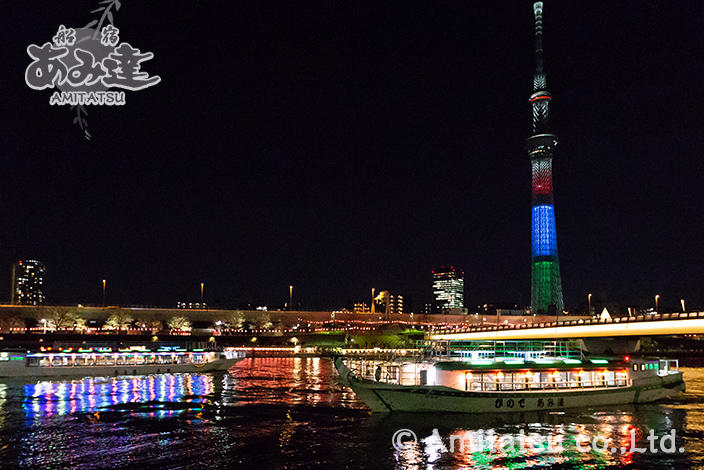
{"x":580,"y":322}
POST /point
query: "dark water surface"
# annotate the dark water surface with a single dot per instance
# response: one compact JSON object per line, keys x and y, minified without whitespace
{"x":290,"y":413}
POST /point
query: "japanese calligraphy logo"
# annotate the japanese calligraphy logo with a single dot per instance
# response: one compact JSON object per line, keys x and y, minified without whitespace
{"x":85,"y":66}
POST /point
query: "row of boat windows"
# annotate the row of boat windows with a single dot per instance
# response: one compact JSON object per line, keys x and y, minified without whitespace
{"x":496,"y":381}
{"x":528,"y":356}
{"x":411,"y":374}
{"x":115,"y":359}
{"x":662,"y":367}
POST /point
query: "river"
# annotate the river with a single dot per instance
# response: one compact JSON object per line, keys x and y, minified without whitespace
{"x":290,"y":413}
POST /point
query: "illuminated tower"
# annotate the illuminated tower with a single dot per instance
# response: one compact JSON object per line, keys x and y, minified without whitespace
{"x":546,"y":286}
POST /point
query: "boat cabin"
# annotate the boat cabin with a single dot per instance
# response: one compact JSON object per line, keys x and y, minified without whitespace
{"x":512,"y":365}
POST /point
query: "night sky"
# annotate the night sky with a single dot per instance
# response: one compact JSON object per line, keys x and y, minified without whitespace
{"x":340,"y":146}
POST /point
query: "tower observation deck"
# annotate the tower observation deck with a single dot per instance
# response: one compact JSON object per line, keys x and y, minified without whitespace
{"x":546,"y":284}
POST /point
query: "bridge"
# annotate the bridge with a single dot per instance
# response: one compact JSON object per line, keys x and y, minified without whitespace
{"x":642,"y":325}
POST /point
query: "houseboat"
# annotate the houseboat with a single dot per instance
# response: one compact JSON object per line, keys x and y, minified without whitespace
{"x":508,"y":376}
{"x":105,"y":361}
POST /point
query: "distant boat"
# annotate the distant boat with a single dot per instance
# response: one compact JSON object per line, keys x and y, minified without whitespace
{"x":103,"y":361}
{"x":515,"y":379}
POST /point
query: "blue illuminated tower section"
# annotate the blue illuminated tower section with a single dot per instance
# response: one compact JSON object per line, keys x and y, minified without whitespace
{"x":546,"y":286}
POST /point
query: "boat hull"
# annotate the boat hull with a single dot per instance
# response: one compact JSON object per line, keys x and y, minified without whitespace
{"x":384,"y":398}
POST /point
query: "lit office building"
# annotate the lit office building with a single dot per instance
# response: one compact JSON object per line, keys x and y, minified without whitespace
{"x":28,"y":282}
{"x":448,"y":289}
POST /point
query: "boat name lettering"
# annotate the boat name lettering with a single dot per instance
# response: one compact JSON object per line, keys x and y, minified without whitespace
{"x":521,"y":402}
{"x":510,"y":403}
{"x":550,"y":402}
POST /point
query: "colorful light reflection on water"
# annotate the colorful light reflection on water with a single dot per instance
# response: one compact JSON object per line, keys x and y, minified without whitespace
{"x":291,"y":413}
{"x":45,"y":399}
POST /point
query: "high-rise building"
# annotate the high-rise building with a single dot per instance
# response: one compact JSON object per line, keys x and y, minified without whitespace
{"x":28,"y":282}
{"x":448,"y":289}
{"x":546,"y":286}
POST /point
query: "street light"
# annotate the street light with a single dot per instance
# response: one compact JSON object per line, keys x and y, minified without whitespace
{"x":682,"y":302}
{"x":657,"y":298}
{"x":589,"y":304}
{"x":104,"y":284}
{"x":290,"y":297}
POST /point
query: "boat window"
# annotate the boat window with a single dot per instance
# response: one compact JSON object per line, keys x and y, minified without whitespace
{"x":642,"y":367}
{"x":635,"y":366}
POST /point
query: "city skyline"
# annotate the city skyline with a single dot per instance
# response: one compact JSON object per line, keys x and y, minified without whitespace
{"x":327,"y":178}
{"x":447,"y":288}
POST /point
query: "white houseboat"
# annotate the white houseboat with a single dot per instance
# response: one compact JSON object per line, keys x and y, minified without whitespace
{"x":105,"y":361}
{"x":510,"y":376}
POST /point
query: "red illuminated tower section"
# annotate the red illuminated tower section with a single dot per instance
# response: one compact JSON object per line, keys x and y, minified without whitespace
{"x":546,"y":285}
